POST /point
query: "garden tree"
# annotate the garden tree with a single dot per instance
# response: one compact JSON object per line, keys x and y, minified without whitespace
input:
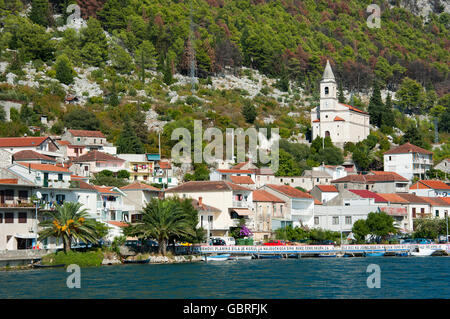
{"x":145,"y":57}
{"x":128,"y":142}
{"x":64,"y":71}
{"x":123,"y":174}
{"x":341,"y":96}
{"x":287,"y":165}
{"x":107,"y":178}
{"x":430,"y":228}
{"x":163,"y":220}
{"x":380,"y":225}
{"x":120,"y":59}
{"x":329,"y":156}
{"x":360,"y":230}
{"x":414,"y":136}
{"x":29,"y":39}
{"x":94,"y":44}
{"x":410,"y":97}
{"x":249,"y":112}
{"x":320,"y":143}
{"x":376,"y":106}
{"x":201,"y":173}
{"x":362,"y":156}
{"x":39,"y":13}
{"x":81,"y":119}
{"x":69,"y":222}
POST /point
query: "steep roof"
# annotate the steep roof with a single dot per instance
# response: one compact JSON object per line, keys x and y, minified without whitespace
{"x":44,"y":167}
{"x":408,"y":148}
{"x":87,"y":133}
{"x":429,"y":184}
{"x":139,"y":186}
{"x":94,"y":156}
{"x":22,"y":141}
{"x":242,"y":180}
{"x":205,"y":186}
{"x":31,"y":155}
{"x":328,"y":72}
{"x":264,"y":196}
{"x":368,"y":194}
{"x":289,"y":191}
{"x":327,"y":188}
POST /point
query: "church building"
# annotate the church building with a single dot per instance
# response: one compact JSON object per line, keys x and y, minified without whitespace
{"x":341,"y":122}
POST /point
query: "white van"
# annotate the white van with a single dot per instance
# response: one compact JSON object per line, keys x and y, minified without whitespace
{"x":229,"y":241}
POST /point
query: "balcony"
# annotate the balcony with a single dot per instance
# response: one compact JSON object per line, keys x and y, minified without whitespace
{"x":17,"y":204}
{"x":241,"y":204}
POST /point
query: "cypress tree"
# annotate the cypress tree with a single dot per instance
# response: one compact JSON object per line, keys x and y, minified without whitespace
{"x":167,"y":72}
{"x":341,"y":96}
{"x":387,"y":116}
{"x":376,"y":106}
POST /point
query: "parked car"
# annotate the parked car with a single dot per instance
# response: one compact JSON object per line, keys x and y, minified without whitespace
{"x":423,"y":241}
{"x":217,"y":242}
{"x":229,"y":241}
{"x":275,"y":243}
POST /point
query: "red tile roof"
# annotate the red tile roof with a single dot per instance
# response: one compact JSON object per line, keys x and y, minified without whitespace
{"x":86,"y":133}
{"x":434,"y":201}
{"x":206,"y":186}
{"x":105,"y":189}
{"x":392,"y":198}
{"x":203,"y":207}
{"x":61,"y":142}
{"x":337,"y":118}
{"x":242,"y":180}
{"x":118,"y":224}
{"x":264,"y":196}
{"x":96,"y":156}
{"x":446,"y":199}
{"x":316,"y":121}
{"x":368,"y":194}
{"x":354,"y":109}
{"x":429,"y":184}
{"x":140,"y":186}
{"x":165,"y":165}
{"x":411,"y":198}
{"x":289,"y":191}
{"x":234,"y":171}
{"x":30,"y":155}
{"x":408,"y":148}
{"x":84,"y":185}
{"x":44,"y":167}
{"x":77,"y":177}
{"x":22,"y":141}
{"x":327,"y":188}
{"x":372,"y":178}
{"x":240,"y":165}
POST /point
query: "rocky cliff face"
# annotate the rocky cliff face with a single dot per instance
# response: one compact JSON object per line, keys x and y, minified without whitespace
{"x":423,"y":7}
{"x":89,"y":8}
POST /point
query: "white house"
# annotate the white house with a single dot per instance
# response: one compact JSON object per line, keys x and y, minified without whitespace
{"x":341,"y":122}
{"x":408,"y":160}
{"x":444,"y":165}
{"x":430,"y":188}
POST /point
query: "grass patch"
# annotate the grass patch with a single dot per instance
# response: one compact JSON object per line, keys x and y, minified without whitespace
{"x":82,"y":259}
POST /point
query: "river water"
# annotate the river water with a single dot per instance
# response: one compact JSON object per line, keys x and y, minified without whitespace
{"x":400,"y":277}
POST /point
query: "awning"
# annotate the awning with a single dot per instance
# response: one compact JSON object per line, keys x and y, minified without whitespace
{"x":25,"y":236}
{"x":243,"y":212}
{"x":394,"y":211}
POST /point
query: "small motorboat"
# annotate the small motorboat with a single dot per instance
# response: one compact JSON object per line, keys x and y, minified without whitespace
{"x":422,"y":252}
{"x":269,"y":256}
{"x":47,"y":266}
{"x":327,"y":255}
{"x":374,"y":254}
{"x":296,"y":256}
{"x":240,"y":257}
{"x":223,"y":257}
{"x":143,"y":261}
{"x":402,"y":254}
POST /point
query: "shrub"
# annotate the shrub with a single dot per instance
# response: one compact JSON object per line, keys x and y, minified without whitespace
{"x":92,"y":258}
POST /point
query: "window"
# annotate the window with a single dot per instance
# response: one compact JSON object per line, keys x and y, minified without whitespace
{"x":60,"y":177}
{"x":22,"y":218}
{"x":414,"y":212}
{"x":201,"y":221}
{"x":9,"y":194}
{"x":23,"y":195}
{"x":348,"y":220}
{"x":113,"y":215}
{"x":327,"y":90}
{"x":9,"y":218}
{"x":336,"y":220}
{"x":316,"y":220}
{"x":345,"y":186}
{"x":1,"y":218}
{"x":437,"y":213}
{"x":60,"y":198}
{"x":422,"y":211}
{"x":390,"y":158}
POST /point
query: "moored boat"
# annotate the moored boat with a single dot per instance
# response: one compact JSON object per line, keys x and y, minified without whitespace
{"x":143,"y":261}
{"x":422,"y":252}
{"x":374,"y":254}
{"x":240,"y":257}
{"x":48,"y":266}
{"x":326,"y":255}
{"x":223,"y":257}
{"x":269,"y":256}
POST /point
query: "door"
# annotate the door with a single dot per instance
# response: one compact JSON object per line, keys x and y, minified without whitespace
{"x":45,"y":179}
{"x":2,"y":197}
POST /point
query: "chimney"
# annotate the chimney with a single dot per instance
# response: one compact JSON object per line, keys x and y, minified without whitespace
{"x":200,"y":201}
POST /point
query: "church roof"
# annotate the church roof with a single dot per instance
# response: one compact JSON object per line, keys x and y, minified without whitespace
{"x":337,"y":118}
{"x":328,"y":73}
{"x":352,"y":108}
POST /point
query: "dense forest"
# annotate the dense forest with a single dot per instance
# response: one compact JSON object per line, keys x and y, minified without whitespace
{"x":128,"y":46}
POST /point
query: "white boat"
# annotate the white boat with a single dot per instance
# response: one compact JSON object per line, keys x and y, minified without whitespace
{"x":223,"y":257}
{"x":240,"y":257}
{"x":422,"y":252}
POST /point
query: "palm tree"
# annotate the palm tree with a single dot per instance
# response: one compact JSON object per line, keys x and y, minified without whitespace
{"x":69,"y":222}
{"x":162,"y":220}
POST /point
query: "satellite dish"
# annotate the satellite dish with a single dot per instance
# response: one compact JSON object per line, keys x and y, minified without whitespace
{"x":39,"y":195}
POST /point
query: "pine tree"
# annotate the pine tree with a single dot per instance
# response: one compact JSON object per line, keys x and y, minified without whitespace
{"x":167,"y":72}
{"x":387,"y":116}
{"x":39,"y":12}
{"x":249,"y":113}
{"x":376,"y":106}
{"x":146,"y":56}
{"x":128,"y":142}
{"x":113,"y":99}
{"x":64,"y":72}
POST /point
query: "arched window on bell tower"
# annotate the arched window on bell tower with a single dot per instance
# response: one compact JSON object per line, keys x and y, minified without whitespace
{"x":326,"y":90}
